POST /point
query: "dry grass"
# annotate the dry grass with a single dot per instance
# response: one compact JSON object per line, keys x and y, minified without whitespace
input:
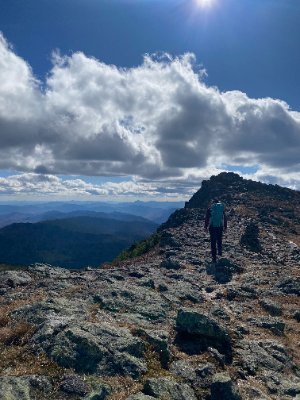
{"x":16,"y":334}
{"x":92,"y":313}
{"x":16,"y":360}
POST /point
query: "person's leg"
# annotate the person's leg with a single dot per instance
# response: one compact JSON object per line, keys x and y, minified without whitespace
{"x":213,"y":244}
{"x":219,"y":240}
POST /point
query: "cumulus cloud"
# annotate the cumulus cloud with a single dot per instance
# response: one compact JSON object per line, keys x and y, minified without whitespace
{"x":31,"y":184}
{"x":157,"y":122}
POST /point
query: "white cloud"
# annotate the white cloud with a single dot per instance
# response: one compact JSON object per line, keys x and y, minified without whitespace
{"x":158,"y":121}
{"x":43,"y":185}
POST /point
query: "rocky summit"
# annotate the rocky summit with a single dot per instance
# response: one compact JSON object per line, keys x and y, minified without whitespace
{"x":167,"y":324}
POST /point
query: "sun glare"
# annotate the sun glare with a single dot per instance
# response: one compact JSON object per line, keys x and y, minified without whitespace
{"x":204,"y":3}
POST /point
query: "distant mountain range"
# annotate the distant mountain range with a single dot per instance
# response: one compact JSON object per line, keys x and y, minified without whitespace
{"x":157,"y":212}
{"x":73,"y":242}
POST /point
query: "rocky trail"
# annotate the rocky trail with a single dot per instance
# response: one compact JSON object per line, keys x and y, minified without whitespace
{"x":168,"y":324}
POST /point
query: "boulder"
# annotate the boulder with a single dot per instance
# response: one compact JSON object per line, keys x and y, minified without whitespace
{"x":223,"y":388}
{"x":210,"y":332}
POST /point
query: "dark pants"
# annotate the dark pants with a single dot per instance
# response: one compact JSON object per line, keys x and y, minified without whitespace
{"x":215,"y":240}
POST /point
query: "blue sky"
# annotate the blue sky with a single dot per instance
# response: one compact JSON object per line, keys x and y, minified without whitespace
{"x":84,"y":113}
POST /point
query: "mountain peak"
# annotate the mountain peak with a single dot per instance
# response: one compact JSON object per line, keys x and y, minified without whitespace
{"x":229,"y":187}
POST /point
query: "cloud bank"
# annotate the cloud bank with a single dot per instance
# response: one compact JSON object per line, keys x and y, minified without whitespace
{"x":158,"y":122}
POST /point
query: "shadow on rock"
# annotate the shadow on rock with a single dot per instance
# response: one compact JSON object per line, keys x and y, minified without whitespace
{"x":223,"y":270}
{"x":197,"y":332}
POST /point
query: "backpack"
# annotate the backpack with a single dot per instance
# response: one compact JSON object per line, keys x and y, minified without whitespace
{"x":216,"y":215}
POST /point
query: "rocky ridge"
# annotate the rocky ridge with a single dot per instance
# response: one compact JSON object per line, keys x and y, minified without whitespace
{"x":169,"y":324}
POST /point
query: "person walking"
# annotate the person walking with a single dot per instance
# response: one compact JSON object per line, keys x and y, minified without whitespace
{"x":216,"y":223}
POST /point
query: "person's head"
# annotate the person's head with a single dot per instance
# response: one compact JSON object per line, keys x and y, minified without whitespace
{"x":216,"y":200}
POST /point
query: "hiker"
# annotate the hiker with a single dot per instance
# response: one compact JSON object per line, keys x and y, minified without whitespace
{"x":216,"y":222}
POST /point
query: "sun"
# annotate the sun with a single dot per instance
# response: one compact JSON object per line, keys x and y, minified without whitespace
{"x":204,"y":3}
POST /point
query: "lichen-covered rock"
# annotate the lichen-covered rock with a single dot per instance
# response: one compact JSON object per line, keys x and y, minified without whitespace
{"x":171,"y":263}
{"x":223,"y":388}
{"x":15,"y":278}
{"x":94,"y":347}
{"x":159,"y":341}
{"x":74,"y":384}
{"x":275,"y":325}
{"x":290,"y":285}
{"x":196,"y":323}
{"x":259,"y":355}
{"x":184,"y":370}
{"x":140,"y":396}
{"x":271,"y":307}
{"x":100,"y":393}
{"x":14,"y":388}
{"x":211,"y":332}
{"x":140,"y":300}
{"x":168,"y":389}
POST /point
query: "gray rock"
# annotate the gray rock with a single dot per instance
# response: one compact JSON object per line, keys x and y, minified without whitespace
{"x":223,"y":388}
{"x":159,"y":341}
{"x":99,"y":393}
{"x":242,"y":293}
{"x":74,"y":384}
{"x":140,"y":396}
{"x":92,"y":348}
{"x":272,"y":307}
{"x":133,"y":299}
{"x":273,"y":324}
{"x":15,"y":278}
{"x":206,"y":369}
{"x":296,"y":316}
{"x":14,"y":388}
{"x":196,"y":323}
{"x":167,"y":239}
{"x":219,"y":312}
{"x":170,"y":263}
{"x":40,"y":383}
{"x":211,"y":332}
{"x":290,"y":285}
{"x":260,"y":355}
{"x":290,"y":387}
{"x":168,"y":389}
{"x":184,"y":370}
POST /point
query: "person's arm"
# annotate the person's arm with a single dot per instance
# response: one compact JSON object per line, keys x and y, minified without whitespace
{"x":207,"y":217}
